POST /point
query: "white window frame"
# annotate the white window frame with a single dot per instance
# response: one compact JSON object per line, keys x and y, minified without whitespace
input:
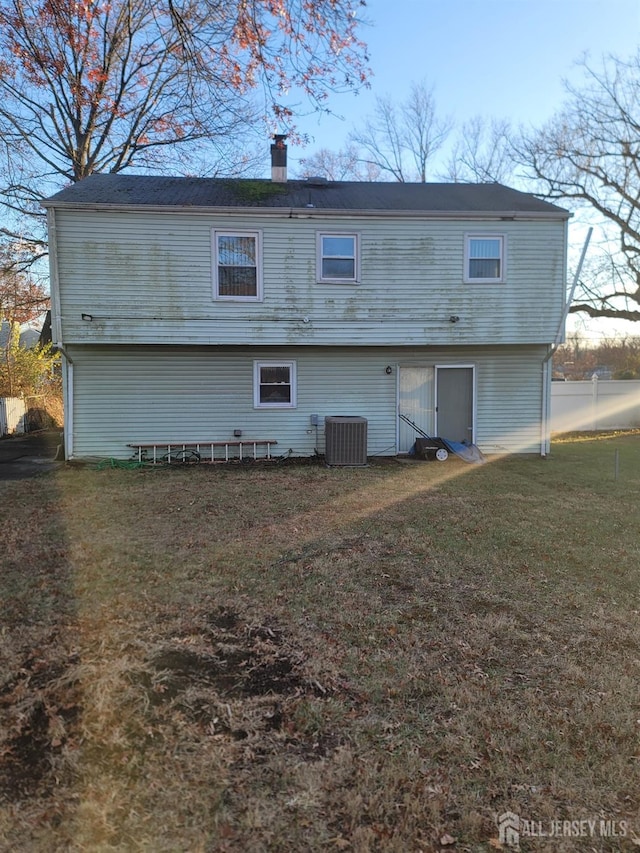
{"x":503,"y":258}
{"x":356,"y":257}
{"x":257,"y":365}
{"x":226,"y":232}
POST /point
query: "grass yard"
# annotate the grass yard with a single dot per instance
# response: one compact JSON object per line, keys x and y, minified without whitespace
{"x":291,"y":658}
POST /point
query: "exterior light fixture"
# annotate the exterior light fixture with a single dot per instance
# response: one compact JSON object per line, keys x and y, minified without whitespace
{"x":87,"y":317}
{"x":454,"y":318}
{"x":388,"y":370}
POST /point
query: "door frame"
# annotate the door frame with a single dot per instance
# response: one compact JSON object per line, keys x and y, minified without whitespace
{"x":472,"y":367}
{"x":438,"y":366}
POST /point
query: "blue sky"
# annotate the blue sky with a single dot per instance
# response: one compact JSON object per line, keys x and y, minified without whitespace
{"x":500,"y":58}
{"x":505,"y":59}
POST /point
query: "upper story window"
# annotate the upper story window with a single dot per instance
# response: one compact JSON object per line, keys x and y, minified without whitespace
{"x":338,"y":257}
{"x":484,"y":258}
{"x":274,"y":384}
{"x":237,"y":265}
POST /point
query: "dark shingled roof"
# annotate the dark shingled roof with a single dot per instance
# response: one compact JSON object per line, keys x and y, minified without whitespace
{"x":158,"y":191}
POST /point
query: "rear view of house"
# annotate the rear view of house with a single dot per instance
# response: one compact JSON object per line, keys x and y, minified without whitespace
{"x":208,"y":309}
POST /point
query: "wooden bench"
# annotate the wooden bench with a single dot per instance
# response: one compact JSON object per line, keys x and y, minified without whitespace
{"x":201,"y":451}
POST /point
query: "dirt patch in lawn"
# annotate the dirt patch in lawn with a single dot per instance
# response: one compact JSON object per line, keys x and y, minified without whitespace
{"x":231,"y":691}
{"x":39,"y":710}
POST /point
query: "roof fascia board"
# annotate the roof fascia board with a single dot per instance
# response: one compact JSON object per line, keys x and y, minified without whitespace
{"x":310,"y":213}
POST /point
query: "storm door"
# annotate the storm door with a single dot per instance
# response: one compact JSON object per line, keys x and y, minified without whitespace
{"x":416,"y":401}
{"x":454,"y":403}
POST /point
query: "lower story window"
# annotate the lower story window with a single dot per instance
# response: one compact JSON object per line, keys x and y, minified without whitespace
{"x":274,"y":384}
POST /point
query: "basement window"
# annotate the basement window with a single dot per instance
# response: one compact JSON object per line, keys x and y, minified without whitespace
{"x":484,"y":258}
{"x":237,"y":265}
{"x":274,"y":384}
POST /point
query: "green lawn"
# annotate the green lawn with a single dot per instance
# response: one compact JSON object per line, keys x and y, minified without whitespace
{"x":295,"y":658}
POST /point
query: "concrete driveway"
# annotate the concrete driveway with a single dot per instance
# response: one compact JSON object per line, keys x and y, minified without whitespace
{"x":28,"y":455}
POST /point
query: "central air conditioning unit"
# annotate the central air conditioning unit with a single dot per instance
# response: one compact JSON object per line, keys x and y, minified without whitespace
{"x":345,"y":440}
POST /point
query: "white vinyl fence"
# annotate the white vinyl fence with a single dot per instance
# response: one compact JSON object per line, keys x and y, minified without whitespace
{"x":13,"y":416}
{"x":595,"y":404}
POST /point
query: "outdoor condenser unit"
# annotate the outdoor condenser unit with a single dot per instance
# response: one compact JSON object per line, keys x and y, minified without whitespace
{"x":345,"y":440}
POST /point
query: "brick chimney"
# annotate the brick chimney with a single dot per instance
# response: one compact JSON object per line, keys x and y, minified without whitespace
{"x":279,"y":159}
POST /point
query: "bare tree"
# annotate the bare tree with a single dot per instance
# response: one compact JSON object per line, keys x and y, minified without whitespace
{"x":401,"y":139}
{"x":589,"y":156}
{"x":96,"y":86}
{"x":342,"y":165}
{"x":21,"y":298}
{"x":579,"y":358}
{"x":482,"y":152}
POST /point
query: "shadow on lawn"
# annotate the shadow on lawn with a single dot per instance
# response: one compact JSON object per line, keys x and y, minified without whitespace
{"x":39,"y":701}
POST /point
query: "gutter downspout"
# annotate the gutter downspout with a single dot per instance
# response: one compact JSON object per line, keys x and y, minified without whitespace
{"x":67,"y":396}
{"x":546,"y":385}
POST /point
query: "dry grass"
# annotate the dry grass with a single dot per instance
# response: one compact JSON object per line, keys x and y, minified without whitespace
{"x":295,"y":658}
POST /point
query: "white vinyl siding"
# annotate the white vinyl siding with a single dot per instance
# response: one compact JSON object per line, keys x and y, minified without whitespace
{"x":146,"y":278}
{"x":144,"y":394}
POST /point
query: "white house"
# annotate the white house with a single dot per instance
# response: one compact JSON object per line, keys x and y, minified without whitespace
{"x":196,"y":308}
